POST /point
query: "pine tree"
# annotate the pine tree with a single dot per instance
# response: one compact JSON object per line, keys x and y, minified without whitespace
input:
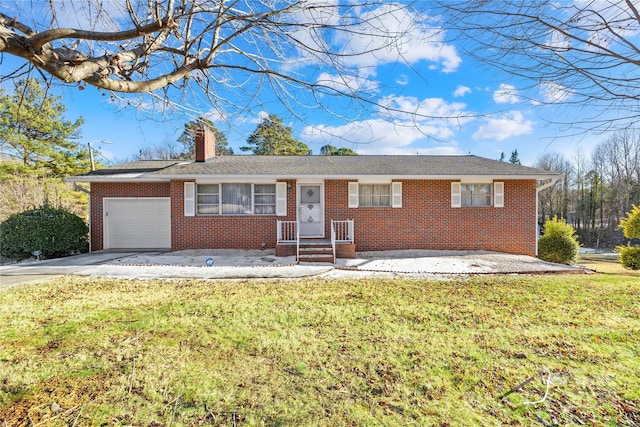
{"x":330,"y":150}
{"x":188,"y":139}
{"x":273,"y":138}
{"x":34,"y":132}
{"x":514,"y":157}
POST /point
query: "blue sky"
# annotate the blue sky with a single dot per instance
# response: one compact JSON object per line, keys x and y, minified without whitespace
{"x":437,"y":80}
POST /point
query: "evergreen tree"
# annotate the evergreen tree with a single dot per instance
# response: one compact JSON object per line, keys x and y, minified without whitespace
{"x":189,"y":134}
{"x":514,"y":157}
{"x":330,"y":150}
{"x":273,"y":138}
{"x":34,"y":132}
{"x":502,"y":156}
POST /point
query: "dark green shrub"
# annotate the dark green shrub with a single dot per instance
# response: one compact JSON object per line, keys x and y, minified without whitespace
{"x":55,"y":232}
{"x":559,"y":243}
{"x":629,"y":257}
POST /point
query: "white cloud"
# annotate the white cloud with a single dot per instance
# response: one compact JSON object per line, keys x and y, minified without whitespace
{"x":378,"y":136}
{"x":554,"y":92}
{"x":402,"y":80}
{"x":415,"y":41}
{"x":427,"y":111}
{"x":461,"y":91}
{"x":512,"y":124}
{"x":506,"y":94}
{"x":216,"y":116}
{"x":347,"y":83}
{"x":242,"y":120}
{"x":408,"y":126}
{"x":108,"y":16}
{"x":387,"y":34}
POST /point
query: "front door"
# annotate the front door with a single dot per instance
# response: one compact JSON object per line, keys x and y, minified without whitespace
{"x":311,"y":210}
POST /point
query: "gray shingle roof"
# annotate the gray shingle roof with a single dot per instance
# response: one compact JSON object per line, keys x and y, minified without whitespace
{"x":345,"y":166}
{"x":296,"y":167}
{"x":139,"y":166}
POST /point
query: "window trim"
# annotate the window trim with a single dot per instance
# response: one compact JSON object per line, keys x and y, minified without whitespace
{"x":395,"y":193}
{"x":388,"y":194}
{"x":277,"y":197}
{"x":488,"y":197}
{"x":496,"y":197}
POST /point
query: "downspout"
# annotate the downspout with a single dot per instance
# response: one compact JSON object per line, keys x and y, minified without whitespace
{"x":539,"y":188}
{"x":88,"y":192}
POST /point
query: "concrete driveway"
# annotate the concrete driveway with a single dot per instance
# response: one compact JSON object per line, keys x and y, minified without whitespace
{"x":235,"y":264}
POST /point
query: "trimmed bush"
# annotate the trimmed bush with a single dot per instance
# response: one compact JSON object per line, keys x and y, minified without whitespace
{"x":559,"y":243}
{"x":629,"y":257}
{"x":54,"y":232}
{"x":631,"y":224}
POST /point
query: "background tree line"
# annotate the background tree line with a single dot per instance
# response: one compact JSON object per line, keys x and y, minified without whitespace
{"x":39,"y":147}
{"x":271,"y":137}
{"x":596,"y":190}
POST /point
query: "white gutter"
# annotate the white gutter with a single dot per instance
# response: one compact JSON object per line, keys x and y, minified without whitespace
{"x":453,"y":177}
{"x":115,"y":178}
{"x":238,"y":177}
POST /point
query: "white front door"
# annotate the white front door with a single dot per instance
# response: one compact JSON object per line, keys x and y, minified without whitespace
{"x":311,"y":210}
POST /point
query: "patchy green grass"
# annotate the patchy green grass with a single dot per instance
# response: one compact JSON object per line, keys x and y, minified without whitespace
{"x":91,"y":352}
{"x":604,"y":264}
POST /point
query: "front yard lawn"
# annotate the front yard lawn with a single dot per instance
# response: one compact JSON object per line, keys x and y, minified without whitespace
{"x":91,"y":352}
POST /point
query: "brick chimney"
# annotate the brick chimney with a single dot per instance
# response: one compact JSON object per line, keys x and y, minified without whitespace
{"x":205,"y":144}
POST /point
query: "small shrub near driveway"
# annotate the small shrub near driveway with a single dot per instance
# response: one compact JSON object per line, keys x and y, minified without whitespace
{"x":559,"y":243}
{"x":47,"y":231}
{"x":630,"y":255}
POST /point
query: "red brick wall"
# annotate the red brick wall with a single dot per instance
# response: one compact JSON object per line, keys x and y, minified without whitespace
{"x":117,"y":189}
{"x":427,"y":220}
{"x":224,"y":231}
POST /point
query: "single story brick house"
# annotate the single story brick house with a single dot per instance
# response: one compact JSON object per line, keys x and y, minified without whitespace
{"x":291,"y":203}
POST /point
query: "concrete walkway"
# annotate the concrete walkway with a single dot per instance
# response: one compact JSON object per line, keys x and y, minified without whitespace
{"x":234,"y":264}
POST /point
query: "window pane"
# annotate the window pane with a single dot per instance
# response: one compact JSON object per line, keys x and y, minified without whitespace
{"x":208,"y":189}
{"x":476,"y":194}
{"x":309,"y":194}
{"x":375,"y":195}
{"x":207,"y":199}
{"x":264,"y":199}
{"x":265,"y":209}
{"x":236,"y":198}
{"x":208,"y":209}
{"x":264,"y":188}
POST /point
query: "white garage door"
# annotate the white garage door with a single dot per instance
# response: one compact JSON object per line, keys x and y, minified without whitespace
{"x":137,"y":223}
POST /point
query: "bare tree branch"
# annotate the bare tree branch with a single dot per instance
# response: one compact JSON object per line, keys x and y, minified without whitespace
{"x":225,"y":51}
{"x":583,"y":54}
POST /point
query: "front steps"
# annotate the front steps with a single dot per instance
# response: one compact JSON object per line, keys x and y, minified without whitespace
{"x":317,"y":247}
{"x":316,"y":250}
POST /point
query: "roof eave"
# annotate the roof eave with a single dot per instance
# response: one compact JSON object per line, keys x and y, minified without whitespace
{"x":115,"y":178}
{"x":356,"y":177}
